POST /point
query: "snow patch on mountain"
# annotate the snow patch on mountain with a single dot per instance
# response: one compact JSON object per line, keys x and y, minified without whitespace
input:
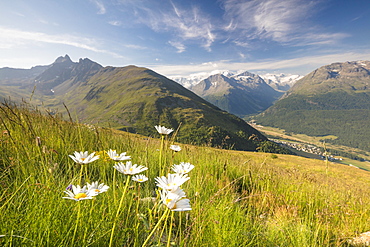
{"x":280,"y":82}
{"x":194,"y":79}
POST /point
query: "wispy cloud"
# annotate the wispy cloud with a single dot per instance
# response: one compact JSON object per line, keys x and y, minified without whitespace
{"x":115,"y":23}
{"x":243,"y":23}
{"x":178,"y":45}
{"x":306,"y":64}
{"x":137,"y":47}
{"x":101,"y":8}
{"x":274,"y":19}
{"x":283,"y":21}
{"x":183,"y":23}
{"x":11,"y":38}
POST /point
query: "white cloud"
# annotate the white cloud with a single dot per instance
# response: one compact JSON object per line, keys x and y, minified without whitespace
{"x":242,"y":44}
{"x":247,"y":24}
{"x":312,"y":39}
{"x":283,"y":21}
{"x":11,"y":38}
{"x":184,"y":24}
{"x":100,"y":6}
{"x":136,"y":47}
{"x":115,"y":23}
{"x":303,"y":64}
{"x":275,"y":19}
{"x":179,"y":46}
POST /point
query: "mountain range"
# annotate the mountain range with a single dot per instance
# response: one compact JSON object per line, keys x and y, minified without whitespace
{"x":128,"y":98}
{"x":280,"y":82}
{"x":242,"y":93}
{"x":332,"y":100}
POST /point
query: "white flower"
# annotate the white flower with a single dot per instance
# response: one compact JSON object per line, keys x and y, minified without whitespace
{"x":115,"y":156}
{"x":129,"y":168}
{"x":98,"y":188}
{"x":163,"y":130}
{"x":79,"y":194}
{"x":140,"y":178}
{"x":84,"y":157}
{"x":175,"y":148}
{"x":175,"y":200}
{"x":172,"y":181}
{"x":182,"y":168}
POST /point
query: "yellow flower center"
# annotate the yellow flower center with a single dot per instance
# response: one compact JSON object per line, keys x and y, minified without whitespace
{"x":140,"y":180}
{"x":97,"y":190}
{"x":80,"y":195}
{"x":83,"y":159}
{"x":168,"y":201}
{"x":131,"y":169}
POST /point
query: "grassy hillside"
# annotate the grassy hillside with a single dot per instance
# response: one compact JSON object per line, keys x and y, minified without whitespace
{"x":137,"y":98}
{"x":332,"y":100}
{"x":134,"y":99}
{"x":237,"y":198}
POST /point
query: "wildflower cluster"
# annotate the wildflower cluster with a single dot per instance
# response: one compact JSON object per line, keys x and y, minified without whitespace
{"x":171,"y":194}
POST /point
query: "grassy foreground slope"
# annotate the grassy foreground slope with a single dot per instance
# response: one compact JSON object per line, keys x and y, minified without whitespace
{"x":237,"y":198}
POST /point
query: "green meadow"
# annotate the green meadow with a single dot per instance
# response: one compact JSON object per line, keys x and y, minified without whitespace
{"x":237,"y":198}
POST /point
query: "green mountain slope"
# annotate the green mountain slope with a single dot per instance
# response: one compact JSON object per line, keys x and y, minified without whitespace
{"x":332,"y":100}
{"x":136,"y":99}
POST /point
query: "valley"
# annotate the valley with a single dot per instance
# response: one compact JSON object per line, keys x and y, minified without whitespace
{"x":314,"y":147}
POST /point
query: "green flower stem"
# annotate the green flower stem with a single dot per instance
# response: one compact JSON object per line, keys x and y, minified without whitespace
{"x":90,"y":218}
{"x":77,"y":220}
{"x":165,"y":215}
{"x":163,"y":229}
{"x":114,"y":187}
{"x":160,"y":154}
{"x":81,"y":172}
{"x":137,"y":214}
{"x":170,"y":231}
{"x":118,"y":210}
{"x":138,"y":199}
{"x":179,"y":229}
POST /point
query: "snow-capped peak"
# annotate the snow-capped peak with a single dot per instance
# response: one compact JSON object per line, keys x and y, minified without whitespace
{"x":281,"y":81}
{"x":278,"y":81}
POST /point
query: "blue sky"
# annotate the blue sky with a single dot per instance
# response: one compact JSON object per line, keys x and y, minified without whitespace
{"x":182,"y":37}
